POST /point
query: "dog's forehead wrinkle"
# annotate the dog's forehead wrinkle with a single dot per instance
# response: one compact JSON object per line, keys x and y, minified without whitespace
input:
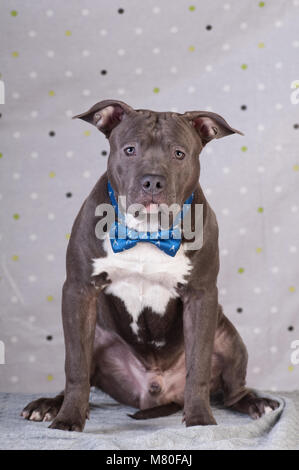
{"x":156,"y":129}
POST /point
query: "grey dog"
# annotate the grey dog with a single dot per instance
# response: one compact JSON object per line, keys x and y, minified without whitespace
{"x":143,"y":326}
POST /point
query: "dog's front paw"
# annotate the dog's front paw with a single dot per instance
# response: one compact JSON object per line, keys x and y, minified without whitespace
{"x":195,"y":418}
{"x":68,"y":423}
{"x":199,"y":420}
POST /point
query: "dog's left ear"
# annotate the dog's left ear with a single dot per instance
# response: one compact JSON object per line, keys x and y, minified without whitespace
{"x":106,"y":115}
{"x":209,"y":125}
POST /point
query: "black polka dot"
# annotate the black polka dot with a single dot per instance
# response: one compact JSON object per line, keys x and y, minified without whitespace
{"x":296,"y":126}
{"x":243,"y":107}
{"x":103,"y":72}
{"x":51,"y":133}
{"x":239,"y":310}
{"x":291,"y":328}
{"x":208,"y":27}
{"x":49,"y":338}
{"x":121,"y":10}
{"x":0,"y":115}
{"x":104,"y":153}
{"x":68,"y":194}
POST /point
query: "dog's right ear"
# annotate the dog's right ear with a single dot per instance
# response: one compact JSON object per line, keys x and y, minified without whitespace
{"x":106,"y":115}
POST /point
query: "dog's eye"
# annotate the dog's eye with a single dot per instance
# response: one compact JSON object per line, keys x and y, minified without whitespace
{"x":130,"y":151}
{"x":179,"y":154}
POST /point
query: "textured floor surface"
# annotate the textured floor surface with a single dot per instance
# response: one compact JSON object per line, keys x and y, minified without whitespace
{"x":110,"y":428}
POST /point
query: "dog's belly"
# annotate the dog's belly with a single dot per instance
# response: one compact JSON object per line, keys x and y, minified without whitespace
{"x":143,"y":277}
{"x":131,"y":379}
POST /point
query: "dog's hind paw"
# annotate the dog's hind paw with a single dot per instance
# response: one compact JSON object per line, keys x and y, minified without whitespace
{"x":255,"y":406}
{"x":43,"y":409}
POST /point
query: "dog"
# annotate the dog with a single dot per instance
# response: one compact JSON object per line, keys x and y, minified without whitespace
{"x":142,"y":324}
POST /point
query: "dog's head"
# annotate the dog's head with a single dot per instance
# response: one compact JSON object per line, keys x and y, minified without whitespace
{"x":154,"y":155}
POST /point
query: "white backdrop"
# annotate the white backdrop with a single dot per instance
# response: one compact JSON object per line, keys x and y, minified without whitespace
{"x":235,"y":58}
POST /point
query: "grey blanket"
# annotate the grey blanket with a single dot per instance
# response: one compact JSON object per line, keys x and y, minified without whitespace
{"x":110,"y":428}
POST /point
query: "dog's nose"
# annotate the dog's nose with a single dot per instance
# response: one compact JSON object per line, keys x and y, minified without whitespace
{"x":153,"y":184}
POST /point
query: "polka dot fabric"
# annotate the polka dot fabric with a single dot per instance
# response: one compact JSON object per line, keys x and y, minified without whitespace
{"x":58,"y":59}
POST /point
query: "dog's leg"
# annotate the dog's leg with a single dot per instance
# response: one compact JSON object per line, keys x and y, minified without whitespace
{"x":200,"y":319}
{"x":79,"y":316}
{"x":230,"y":347}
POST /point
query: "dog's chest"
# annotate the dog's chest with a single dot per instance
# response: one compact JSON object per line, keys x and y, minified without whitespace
{"x":143,"y":276}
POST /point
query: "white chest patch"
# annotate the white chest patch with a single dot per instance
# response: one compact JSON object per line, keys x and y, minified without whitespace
{"x":143,"y":276}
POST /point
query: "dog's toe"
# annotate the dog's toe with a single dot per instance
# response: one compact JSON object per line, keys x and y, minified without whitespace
{"x":35,"y":416}
{"x":49,"y":416}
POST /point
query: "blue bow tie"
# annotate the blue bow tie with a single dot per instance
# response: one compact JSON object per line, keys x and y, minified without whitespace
{"x":123,"y":238}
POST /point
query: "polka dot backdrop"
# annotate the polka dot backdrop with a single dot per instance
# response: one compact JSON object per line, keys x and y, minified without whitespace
{"x":239,"y":61}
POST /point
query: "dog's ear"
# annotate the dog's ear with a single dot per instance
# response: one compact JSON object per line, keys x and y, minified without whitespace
{"x":106,"y":115}
{"x":209,"y":125}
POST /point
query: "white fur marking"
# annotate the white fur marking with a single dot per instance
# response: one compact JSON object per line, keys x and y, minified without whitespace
{"x":143,"y":276}
{"x":268,"y":410}
{"x":159,"y":344}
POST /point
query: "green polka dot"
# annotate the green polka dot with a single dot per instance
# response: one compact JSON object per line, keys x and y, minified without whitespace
{"x":51,"y":93}
{"x":1,"y":155}
{"x":292,"y":289}
{"x":15,"y":54}
{"x":191,"y":48}
{"x":192,"y":8}
{"x":156,"y":90}
{"x":296,"y":167}
{"x":261,"y":4}
{"x":15,"y":257}
{"x":50,"y":377}
{"x":244,"y":148}
{"x":241,"y":270}
{"x":16,"y":216}
{"x":14,"y":13}
{"x":86,"y":133}
{"x":260,"y":210}
{"x":52,"y":174}
{"x":261,"y":45}
{"x":259,"y":249}
{"x":244,"y":66}
{"x":68,"y":33}
{"x":50,"y":298}
{"x":67,"y":236}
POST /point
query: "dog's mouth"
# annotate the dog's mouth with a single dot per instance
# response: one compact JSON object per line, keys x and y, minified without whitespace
{"x":149,"y":212}
{"x":145,"y":205}
{"x":152,"y":207}
{"x":150,"y":215}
